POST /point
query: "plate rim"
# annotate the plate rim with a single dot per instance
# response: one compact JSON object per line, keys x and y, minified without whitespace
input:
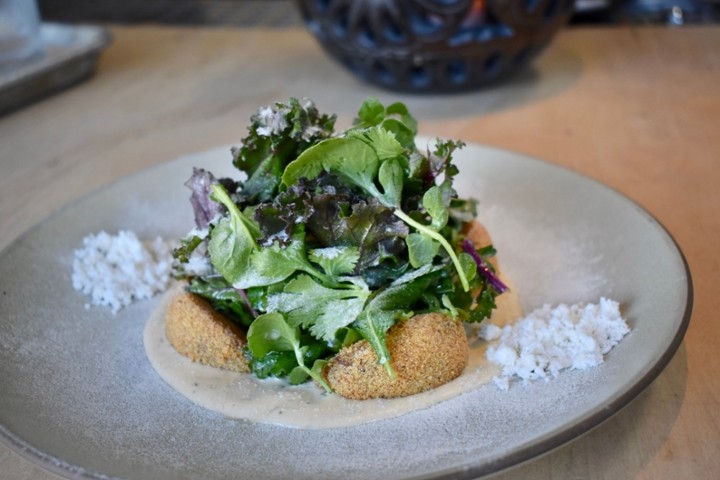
{"x":470,"y":469}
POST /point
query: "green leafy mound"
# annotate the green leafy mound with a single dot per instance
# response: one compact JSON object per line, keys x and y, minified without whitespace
{"x":332,"y":238}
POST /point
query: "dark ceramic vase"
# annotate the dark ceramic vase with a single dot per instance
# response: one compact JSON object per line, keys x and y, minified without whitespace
{"x":434,"y":45}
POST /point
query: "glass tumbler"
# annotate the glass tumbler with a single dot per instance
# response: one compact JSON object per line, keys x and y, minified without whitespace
{"x":19,"y":31}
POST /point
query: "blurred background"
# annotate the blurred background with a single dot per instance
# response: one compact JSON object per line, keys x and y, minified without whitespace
{"x":280,"y":13}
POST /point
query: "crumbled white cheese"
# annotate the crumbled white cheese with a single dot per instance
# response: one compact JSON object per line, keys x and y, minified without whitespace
{"x":115,"y":270}
{"x":328,"y":253}
{"x":198,"y":263}
{"x":551,"y":339}
{"x":272,"y":121}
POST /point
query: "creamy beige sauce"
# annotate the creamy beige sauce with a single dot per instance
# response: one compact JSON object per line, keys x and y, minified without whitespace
{"x":242,"y":396}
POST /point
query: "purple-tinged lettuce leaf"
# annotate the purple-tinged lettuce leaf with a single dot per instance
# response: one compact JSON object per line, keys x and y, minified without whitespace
{"x":204,"y":208}
{"x":483,"y":268}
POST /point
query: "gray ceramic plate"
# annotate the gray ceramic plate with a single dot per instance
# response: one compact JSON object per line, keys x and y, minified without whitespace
{"x":79,"y":397}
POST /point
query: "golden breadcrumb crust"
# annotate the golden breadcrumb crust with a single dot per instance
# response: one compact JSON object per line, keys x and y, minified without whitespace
{"x":427,"y":351}
{"x":195,"y":330}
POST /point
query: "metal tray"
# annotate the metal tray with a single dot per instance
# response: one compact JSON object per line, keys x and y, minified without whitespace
{"x":70,"y":56}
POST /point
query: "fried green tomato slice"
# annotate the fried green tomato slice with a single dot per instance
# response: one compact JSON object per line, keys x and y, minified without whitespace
{"x":427,"y":351}
{"x":203,"y":335}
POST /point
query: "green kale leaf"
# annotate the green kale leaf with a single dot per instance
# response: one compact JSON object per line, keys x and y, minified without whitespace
{"x":277,"y":135}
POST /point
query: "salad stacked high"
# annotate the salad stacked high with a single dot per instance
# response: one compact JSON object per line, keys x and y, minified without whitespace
{"x":333,"y":237}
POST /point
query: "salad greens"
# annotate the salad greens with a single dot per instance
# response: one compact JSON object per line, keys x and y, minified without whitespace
{"x":333,"y":237}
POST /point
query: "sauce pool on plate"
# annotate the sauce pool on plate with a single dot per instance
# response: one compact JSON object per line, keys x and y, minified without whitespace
{"x":242,"y":396}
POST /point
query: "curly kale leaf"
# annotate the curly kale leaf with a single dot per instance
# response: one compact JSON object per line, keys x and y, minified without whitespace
{"x":277,"y":135}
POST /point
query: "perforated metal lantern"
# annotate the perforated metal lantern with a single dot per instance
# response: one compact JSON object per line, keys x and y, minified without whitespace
{"x":434,"y":45}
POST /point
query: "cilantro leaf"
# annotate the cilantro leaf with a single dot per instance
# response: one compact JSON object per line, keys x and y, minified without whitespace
{"x":371,"y":112}
{"x":391,"y":178}
{"x":381,"y":140}
{"x":395,"y":119}
{"x":320,"y":309}
{"x":336,"y":261}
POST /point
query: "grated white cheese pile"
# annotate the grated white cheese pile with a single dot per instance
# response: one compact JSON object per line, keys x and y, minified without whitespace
{"x":115,"y":270}
{"x":552,"y":339}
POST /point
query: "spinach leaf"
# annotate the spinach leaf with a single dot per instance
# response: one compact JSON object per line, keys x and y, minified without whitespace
{"x":348,"y":157}
{"x":232,"y":241}
{"x":273,"y":364}
{"x":223,"y":297}
{"x":271,"y":333}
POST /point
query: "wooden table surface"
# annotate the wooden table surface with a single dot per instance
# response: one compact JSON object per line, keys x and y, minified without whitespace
{"x":635,"y":108}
